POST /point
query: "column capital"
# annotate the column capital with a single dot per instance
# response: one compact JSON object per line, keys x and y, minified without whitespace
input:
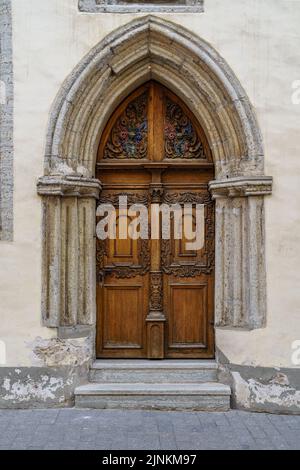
{"x":241,"y":187}
{"x":67,"y":186}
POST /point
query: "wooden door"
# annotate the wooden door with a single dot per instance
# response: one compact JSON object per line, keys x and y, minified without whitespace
{"x":155,"y":297}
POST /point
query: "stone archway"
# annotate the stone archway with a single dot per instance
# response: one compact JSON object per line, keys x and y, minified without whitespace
{"x":152,"y":48}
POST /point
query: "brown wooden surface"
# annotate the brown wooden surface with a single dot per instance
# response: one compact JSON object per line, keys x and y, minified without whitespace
{"x":155,"y":298}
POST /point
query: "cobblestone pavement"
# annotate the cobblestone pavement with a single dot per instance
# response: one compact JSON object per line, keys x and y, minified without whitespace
{"x":146,"y":430}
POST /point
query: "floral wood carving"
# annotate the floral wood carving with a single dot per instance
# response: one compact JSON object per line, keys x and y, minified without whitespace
{"x":181,"y":139}
{"x":132,"y":198}
{"x":129,"y":135}
{"x":202,"y":197}
{"x":156,"y":291}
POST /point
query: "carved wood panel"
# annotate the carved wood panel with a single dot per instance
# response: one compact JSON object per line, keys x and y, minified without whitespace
{"x":181,"y":138}
{"x":129,"y":135}
{"x":153,"y":124}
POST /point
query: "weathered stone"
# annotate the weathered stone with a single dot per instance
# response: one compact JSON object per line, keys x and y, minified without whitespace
{"x":123,"y":6}
{"x":6,"y":122}
{"x":69,"y":186}
{"x":205,"y":396}
{"x":62,"y":352}
{"x":264,"y":389}
{"x":130,"y":371}
{"x":36,"y":387}
{"x":240,"y":252}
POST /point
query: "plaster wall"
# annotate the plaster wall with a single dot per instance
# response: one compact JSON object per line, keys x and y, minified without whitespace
{"x":260,"y":40}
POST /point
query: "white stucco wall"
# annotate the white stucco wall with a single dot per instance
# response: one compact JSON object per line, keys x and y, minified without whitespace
{"x":260,"y":40}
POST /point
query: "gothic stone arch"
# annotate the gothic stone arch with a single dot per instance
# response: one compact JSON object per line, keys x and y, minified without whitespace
{"x":152,"y":48}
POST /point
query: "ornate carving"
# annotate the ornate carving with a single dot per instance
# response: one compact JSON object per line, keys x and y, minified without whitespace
{"x":100,"y":256}
{"x":132,"y":198}
{"x":242,"y":187}
{"x":207,"y":262}
{"x":181,"y":139}
{"x":156,"y":193}
{"x":122,"y":272}
{"x":67,"y":186}
{"x":156,"y":291}
{"x":202,"y":197}
{"x":129,"y":135}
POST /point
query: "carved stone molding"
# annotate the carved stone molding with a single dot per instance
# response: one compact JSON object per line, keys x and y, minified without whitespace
{"x":242,"y":187}
{"x":240,"y":283}
{"x":68,"y":186}
{"x":69,"y":204}
{"x":240,"y":251}
{"x":151,"y":48}
{"x":148,"y":48}
{"x":128,"y":6}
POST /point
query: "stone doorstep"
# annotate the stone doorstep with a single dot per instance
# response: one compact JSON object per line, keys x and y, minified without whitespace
{"x":144,"y":371}
{"x":210,"y":388}
{"x":161,"y":385}
{"x":206,"y":396}
{"x":148,"y":364}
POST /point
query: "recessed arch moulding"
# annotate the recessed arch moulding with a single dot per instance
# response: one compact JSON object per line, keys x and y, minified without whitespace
{"x":152,"y":48}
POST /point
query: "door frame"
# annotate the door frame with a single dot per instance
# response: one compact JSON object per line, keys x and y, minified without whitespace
{"x":144,"y":48}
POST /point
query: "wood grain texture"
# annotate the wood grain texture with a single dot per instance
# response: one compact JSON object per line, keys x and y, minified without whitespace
{"x":155,"y":298}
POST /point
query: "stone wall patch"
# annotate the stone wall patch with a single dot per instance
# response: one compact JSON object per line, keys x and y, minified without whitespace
{"x":6,"y":122}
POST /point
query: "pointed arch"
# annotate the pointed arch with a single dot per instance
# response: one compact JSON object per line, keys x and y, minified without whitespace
{"x":144,"y":49}
{"x":153,"y":48}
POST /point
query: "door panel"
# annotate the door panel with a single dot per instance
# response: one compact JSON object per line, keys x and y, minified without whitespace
{"x":155,"y":297}
{"x":187,"y":316}
{"x":123,"y":286}
{"x":120,"y":303}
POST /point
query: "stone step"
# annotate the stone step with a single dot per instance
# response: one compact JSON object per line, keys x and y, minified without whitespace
{"x":143,"y":371}
{"x":180,"y":396}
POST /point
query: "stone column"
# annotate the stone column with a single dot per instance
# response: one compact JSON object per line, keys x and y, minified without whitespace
{"x":240,"y":286}
{"x":68,"y":295}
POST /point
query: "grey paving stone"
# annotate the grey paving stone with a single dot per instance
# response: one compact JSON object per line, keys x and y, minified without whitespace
{"x":147,"y":430}
{"x":257,"y":432}
{"x":263,"y":444}
{"x":51,"y":447}
{"x":167,"y":441}
{"x":165,"y":426}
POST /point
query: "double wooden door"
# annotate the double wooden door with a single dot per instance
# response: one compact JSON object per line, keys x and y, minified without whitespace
{"x":155,"y":296}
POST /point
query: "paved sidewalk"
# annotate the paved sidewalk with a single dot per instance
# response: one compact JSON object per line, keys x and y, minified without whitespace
{"x":146,"y":430}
